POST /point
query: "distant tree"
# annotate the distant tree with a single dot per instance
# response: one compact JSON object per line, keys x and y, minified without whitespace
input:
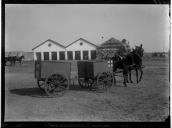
{"x":124,"y":40}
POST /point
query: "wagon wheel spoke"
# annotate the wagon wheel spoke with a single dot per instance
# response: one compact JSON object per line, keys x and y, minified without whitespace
{"x":62,"y":87}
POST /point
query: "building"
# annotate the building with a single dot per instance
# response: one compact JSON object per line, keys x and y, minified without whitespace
{"x":112,"y":46}
{"x":13,"y":53}
{"x":28,"y":56}
{"x":80,"y":49}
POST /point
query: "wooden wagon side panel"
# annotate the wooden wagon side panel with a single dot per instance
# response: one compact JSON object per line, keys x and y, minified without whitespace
{"x":90,"y":69}
{"x":100,"y":67}
{"x":51,"y":67}
{"x":37,"y":69}
{"x":81,"y":69}
{"x":85,"y":69}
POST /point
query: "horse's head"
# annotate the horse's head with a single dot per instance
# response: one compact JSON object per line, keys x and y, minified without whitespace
{"x":138,"y":50}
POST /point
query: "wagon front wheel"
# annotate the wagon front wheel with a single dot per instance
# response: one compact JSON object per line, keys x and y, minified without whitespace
{"x":41,"y":84}
{"x":56,"y":85}
{"x":104,"y":81}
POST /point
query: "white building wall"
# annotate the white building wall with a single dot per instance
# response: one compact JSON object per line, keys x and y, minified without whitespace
{"x":46,"y":48}
{"x":77,"y":47}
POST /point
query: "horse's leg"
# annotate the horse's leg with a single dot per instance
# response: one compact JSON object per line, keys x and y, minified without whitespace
{"x":130,"y":76}
{"x":136,"y":75}
{"x":141,"y":73}
{"x":125,"y":75}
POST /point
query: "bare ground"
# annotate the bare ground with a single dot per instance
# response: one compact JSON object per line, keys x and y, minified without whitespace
{"x":146,"y":101}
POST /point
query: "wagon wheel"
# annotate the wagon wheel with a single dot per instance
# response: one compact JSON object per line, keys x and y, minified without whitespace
{"x":100,"y":85}
{"x":56,"y":85}
{"x":104,"y":81}
{"x":85,"y":83}
{"x":108,"y":80}
{"x":90,"y":82}
{"x":41,"y":84}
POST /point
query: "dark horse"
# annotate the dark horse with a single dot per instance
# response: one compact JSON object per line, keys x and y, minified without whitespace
{"x":13,"y":59}
{"x":18,"y":59}
{"x":132,"y":61}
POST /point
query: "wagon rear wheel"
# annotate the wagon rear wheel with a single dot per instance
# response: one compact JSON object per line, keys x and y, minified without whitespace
{"x":56,"y":85}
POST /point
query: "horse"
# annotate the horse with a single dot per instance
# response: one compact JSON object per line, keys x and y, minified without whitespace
{"x":138,"y":51}
{"x":16,"y":58}
{"x":11,"y":59}
{"x":129,"y":62}
{"x":6,"y":60}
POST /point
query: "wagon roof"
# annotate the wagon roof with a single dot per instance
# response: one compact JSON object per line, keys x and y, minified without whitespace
{"x":56,"y":43}
{"x":83,"y":40}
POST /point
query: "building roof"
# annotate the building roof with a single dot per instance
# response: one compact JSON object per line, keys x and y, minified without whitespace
{"x":112,"y":43}
{"x":82,"y":40}
{"x":56,"y":43}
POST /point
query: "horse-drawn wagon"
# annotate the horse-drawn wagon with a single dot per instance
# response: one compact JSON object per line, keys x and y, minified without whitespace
{"x":54,"y":77}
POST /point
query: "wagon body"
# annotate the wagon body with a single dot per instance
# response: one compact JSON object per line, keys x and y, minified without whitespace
{"x":43,"y":69}
{"x":90,"y":69}
{"x":53,"y":77}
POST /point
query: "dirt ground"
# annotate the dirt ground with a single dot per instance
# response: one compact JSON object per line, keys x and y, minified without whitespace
{"x":146,"y":101}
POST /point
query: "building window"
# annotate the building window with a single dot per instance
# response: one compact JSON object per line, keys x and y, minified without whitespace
{"x":54,"y":55}
{"x":85,"y":55}
{"x":77,"y":55}
{"x":49,"y":45}
{"x":62,"y":55}
{"x":38,"y":55}
{"x":70,"y":55}
{"x":93,"y":54}
{"x":110,"y":63}
{"x":46,"y":55}
{"x":81,"y":43}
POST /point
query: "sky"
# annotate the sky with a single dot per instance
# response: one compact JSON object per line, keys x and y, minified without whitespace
{"x":26,"y":26}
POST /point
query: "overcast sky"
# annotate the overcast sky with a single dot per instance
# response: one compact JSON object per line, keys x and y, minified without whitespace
{"x":28,"y":25}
